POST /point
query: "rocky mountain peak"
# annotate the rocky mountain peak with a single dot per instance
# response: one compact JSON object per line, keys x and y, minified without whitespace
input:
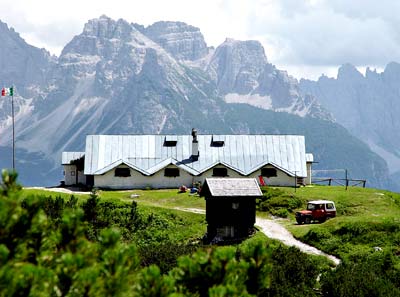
{"x":236,"y":65}
{"x":101,"y":37}
{"x":183,"y":41}
{"x":349,"y":72}
{"x":245,"y":48}
{"x":392,"y":72}
{"x":113,"y":79}
{"x":29,"y":64}
{"x":105,"y":27}
{"x":371,"y":74}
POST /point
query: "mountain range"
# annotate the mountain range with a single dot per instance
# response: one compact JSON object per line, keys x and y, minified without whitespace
{"x":124,"y":78}
{"x":367,"y":105}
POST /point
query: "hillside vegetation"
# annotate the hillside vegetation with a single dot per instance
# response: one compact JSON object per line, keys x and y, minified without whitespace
{"x":365,"y":235}
{"x":57,"y":245}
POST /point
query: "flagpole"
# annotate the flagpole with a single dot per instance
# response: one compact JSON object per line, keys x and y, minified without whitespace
{"x":13,"y":129}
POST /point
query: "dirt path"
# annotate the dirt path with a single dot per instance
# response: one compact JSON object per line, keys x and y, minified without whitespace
{"x":58,"y":190}
{"x":194,"y":210}
{"x":274,"y":230}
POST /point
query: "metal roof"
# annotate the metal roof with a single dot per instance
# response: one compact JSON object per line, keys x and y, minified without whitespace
{"x":222,"y":187}
{"x":68,"y":157}
{"x":242,"y":153}
{"x":321,"y":201}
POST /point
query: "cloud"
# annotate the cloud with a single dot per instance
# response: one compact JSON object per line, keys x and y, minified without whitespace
{"x":55,"y":22}
{"x":328,"y":32}
{"x":298,"y":34}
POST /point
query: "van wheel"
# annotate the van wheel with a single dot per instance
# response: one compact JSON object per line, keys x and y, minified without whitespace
{"x":307,"y":220}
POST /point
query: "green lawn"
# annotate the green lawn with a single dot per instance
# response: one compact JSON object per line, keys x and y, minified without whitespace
{"x":186,"y":226}
{"x":366,"y":218}
{"x":355,"y":204}
{"x":169,"y":198}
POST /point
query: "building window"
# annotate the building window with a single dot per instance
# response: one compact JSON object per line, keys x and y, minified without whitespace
{"x":217,"y":143}
{"x":226,"y":231}
{"x":220,"y":172}
{"x":300,"y":180}
{"x":268,"y":172}
{"x":235,"y":205}
{"x":171,"y":172}
{"x":170,"y":140}
{"x":72,"y":173}
{"x":122,"y":172}
{"x":170,"y":143}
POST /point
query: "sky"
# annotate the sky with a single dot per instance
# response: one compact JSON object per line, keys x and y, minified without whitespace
{"x":305,"y":37}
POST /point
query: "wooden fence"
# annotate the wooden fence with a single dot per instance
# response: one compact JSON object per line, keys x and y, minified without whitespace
{"x":340,"y":181}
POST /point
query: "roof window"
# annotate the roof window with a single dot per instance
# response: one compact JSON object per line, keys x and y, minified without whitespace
{"x":217,"y":141}
{"x":170,"y":140}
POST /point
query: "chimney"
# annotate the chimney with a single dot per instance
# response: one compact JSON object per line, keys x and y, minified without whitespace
{"x":195,"y":146}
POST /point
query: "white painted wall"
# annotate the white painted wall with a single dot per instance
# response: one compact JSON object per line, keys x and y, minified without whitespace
{"x":70,"y":175}
{"x":282,"y":179}
{"x":308,"y":180}
{"x":140,"y":181}
{"x":158,"y":180}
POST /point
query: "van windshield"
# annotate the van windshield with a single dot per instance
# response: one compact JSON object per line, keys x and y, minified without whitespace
{"x":311,"y":206}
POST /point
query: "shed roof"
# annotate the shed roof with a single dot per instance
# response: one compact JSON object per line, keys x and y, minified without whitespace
{"x":242,"y":153}
{"x":309,"y":158}
{"x":232,"y":187}
{"x":68,"y":157}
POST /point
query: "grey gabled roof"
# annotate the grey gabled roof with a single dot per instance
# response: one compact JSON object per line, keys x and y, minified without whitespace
{"x":68,"y":157}
{"x":242,"y":153}
{"x":222,"y":187}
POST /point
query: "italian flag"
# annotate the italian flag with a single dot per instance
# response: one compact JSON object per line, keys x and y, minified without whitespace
{"x":7,"y":92}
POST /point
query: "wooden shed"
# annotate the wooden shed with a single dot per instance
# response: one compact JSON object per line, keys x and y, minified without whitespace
{"x":230,"y":208}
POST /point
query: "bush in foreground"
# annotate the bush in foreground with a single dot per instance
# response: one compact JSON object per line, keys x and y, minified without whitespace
{"x":50,"y":247}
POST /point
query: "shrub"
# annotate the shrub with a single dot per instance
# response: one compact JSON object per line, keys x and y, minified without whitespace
{"x":225,"y":270}
{"x":293,"y":273}
{"x":281,"y":212}
{"x":164,"y":254}
{"x":316,"y":235}
{"x":275,"y":200}
{"x":374,"y":275}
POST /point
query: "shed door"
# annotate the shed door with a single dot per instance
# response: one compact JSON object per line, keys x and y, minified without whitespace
{"x":90,"y":180}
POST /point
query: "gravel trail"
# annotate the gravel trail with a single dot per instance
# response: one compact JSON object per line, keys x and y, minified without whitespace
{"x":275,"y":230}
{"x":59,"y":190}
